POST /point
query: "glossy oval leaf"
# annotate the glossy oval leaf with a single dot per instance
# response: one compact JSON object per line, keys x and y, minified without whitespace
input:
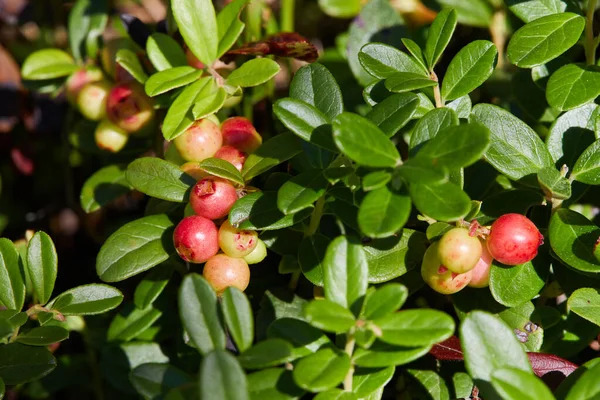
{"x":253,"y":73}
{"x":164,"y":52}
{"x":384,"y":300}
{"x":197,"y":24}
{"x":238,"y":317}
{"x":322,"y":370}
{"x":131,"y":63}
{"x":301,"y":191}
{"x":367,"y":381}
{"x":180,"y":115}
{"x":515,"y":384}
{"x":444,"y":202}
{"x":229,"y":25}
{"x":90,"y":299}
{"x":394,"y":112}
{"x":573,"y":85}
{"x":585,"y":302}
{"x":310,"y":257}
{"x":12,"y":276}
{"x":315,"y":85}
{"x":304,"y":338}
{"x":222,"y":169}
{"x":43,"y":336}
{"x":273,"y":383}
{"x":169,"y":79}
{"x":430,"y":125}
{"x":153,"y":380}
{"x":20,"y":363}
{"x":414,"y":328}
{"x":512,"y":286}
{"x":382,"y":354}
{"x":152,"y":285}
{"x":272,"y":152}
{"x":401,"y":82}
{"x":222,"y":377}
{"x":587,"y":167}
{"x":159,"y":178}
{"x":439,"y":35}
{"x":587,"y":386}
{"x":381,"y":61}
{"x":329,"y":316}
{"x":534,"y":9}
{"x":42,"y":264}
{"x":130,"y":322}
{"x":47,"y":64}
{"x":104,"y":186}
{"x":383,"y":212}
{"x":266,"y":353}
{"x":573,"y":238}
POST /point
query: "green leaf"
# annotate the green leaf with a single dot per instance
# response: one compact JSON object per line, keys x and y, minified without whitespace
{"x":587,"y":167}
{"x":322,"y":370}
{"x":315,"y":85}
{"x":515,"y":149}
{"x":585,"y":302}
{"x":266,"y":353}
{"x":444,"y":202}
{"x":229,"y":25}
{"x":131,"y":63}
{"x":400,"y":82}
{"x":159,"y":178}
{"x":154,"y":380}
{"x":2,"y":389}
{"x":20,"y":363}
{"x":533,"y":9}
{"x":573,"y":85}
{"x":384,"y":300}
{"x":12,"y":276}
{"x":43,"y":336}
{"x":375,"y":180}
{"x":422,"y":170}
{"x":273,"y":383}
{"x":222,"y":169}
{"x":515,"y":384}
{"x":480,"y":333}
{"x":135,"y":247}
{"x":210,"y":101}
{"x":152,"y":285}
{"x":458,"y":146}
{"x":42,"y":265}
{"x":517,"y":284}
{"x":329,"y":316}
{"x":306,"y":121}
{"x":345,"y":273}
{"x":222,"y":377}
{"x":439,"y":36}
{"x":259,"y":211}
{"x":253,"y":72}
{"x":169,"y":79}
{"x":238,"y":317}
{"x":528,"y":323}
{"x":573,"y":239}
{"x":394,"y":113}
{"x":462,"y":106}
{"x":413,"y":328}
{"x":180,"y":116}
{"x":554,"y":184}
{"x":430,"y":125}
{"x":87,"y":20}
{"x":104,"y":186}
{"x":587,"y":387}
{"x":335,"y":394}
{"x":272,"y":152}
{"x":90,"y":299}
{"x":305,"y":338}
{"x":544,"y":39}
{"x":364,"y":142}
{"x":47,"y":64}
{"x":198,"y":25}
{"x":383,"y":212}
{"x":471,"y":66}
{"x":130,"y":322}
{"x":301,"y":191}
{"x":367,"y":381}
{"x":340,"y":8}
{"x":164,"y":52}
{"x":382,"y":61}
{"x":473,"y":12}
{"x":310,"y":257}
{"x":198,"y":312}
{"x":382,"y":354}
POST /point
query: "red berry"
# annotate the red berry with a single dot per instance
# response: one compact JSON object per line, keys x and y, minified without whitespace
{"x":196,"y":239}
{"x":200,"y":141}
{"x":212,"y":198}
{"x":233,"y":155}
{"x":459,"y":251}
{"x":480,"y":275}
{"x":222,"y":271}
{"x":514,"y":239}
{"x":129,"y":108}
{"x":440,"y":278}
{"x":236,"y":242}
{"x":241,"y":134}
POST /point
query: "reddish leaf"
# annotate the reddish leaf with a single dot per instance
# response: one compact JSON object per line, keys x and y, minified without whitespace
{"x":284,"y":44}
{"x":448,"y":350}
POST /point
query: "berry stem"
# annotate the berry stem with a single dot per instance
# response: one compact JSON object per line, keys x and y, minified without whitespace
{"x":439,"y":102}
{"x":315,"y":218}
{"x":590,"y":44}
{"x":349,"y":349}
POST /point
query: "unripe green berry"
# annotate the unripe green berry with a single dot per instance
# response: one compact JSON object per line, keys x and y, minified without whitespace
{"x":110,"y":137}
{"x":458,"y":250}
{"x":258,"y":254}
{"x":236,"y":242}
{"x":92,"y":99}
{"x":440,"y":278}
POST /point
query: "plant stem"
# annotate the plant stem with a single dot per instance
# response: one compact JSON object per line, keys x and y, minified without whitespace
{"x":590,"y":43}
{"x":287,"y":15}
{"x":349,"y":349}
{"x":315,"y":218}
{"x":439,"y":102}
{"x":498,"y":33}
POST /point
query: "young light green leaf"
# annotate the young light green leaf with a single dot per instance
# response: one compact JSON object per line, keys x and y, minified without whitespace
{"x":130,"y":322}
{"x":345,"y":273}
{"x":413,"y":328}
{"x":367,"y":381}
{"x":375,"y":180}
{"x":131,"y":63}
{"x":266,"y":353}
{"x":180,"y":116}
{"x":400,"y":82}
{"x":153,"y":380}
{"x":471,"y":66}
{"x":20,"y":363}
{"x":515,"y":149}
{"x":573,"y":85}
{"x":383,"y":212}
{"x":198,"y":312}
{"x":533,"y":9}
{"x":169,"y":79}
{"x":587,"y":386}
{"x":384,"y":300}
{"x":197,"y":24}
{"x":90,"y":299}
{"x":43,"y":336}
{"x":414,"y":49}
{"x":104,"y":186}
{"x":329,"y":316}
{"x":364,"y":142}
{"x":273,"y":152}
{"x":135,"y":247}
{"x":439,"y":36}
{"x":42,"y":264}
{"x":253,"y":73}
{"x":544,"y":39}
{"x":159,"y":178}
{"x":238,"y":317}
{"x":222,"y":377}
{"x":382,"y":61}
{"x":587,"y":167}
{"x":47,"y":64}
{"x":210,"y":102}
{"x":585,"y":302}
{"x":516,"y":384}
{"x":430,"y":125}
{"x":394,"y":112}
{"x":152,"y":285}
{"x":164,"y":52}
{"x":315,"y":85}
{"x":573,"y":239}
{"x":444,"y":201}
{"x":229,"y":25}
{"x":222,"y":169}
{"x":12,"y":276}
{"x":340,"y":8}
{"x":301,"y":191}
{"x":322,"y":370}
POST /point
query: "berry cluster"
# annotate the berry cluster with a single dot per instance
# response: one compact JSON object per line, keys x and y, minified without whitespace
{"x":461,"y":258}
{"x":205,"y":235}
{"x":122,"y":109}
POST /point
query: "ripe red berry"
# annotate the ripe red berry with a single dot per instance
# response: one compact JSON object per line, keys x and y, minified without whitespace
{"x":233,"y":155}
{"x":236,"y":242}
{"x":514,"y":239}
{"x":196,"y":239}
{"x":480,"y":275}
{"x":241,"y":134}
{"x":459,"y":251}
{"x":222,"y":271}
{"x":440,"y":278}
{"x":129,"y":108}
{"x":212,"y":198}
{"x":200,"y":141}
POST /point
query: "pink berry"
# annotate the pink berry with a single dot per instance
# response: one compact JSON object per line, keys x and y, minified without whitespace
{"x":200,"y":141}
{"x":241,"y":134}
{"x":236,"y":242}
{"x":440,"y":278}
{"x":222,"y":271}
{"x":514,"y":239}
{"x":212,"y":198}
{"x":196,"y":239}
{"x":480,"y":275}
{"x":129,"y":108}
{"x":233,"y":155}
{"x":458,"y":250}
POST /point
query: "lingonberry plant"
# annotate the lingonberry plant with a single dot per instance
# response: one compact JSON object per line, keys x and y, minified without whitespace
{"x":343,"y":225}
